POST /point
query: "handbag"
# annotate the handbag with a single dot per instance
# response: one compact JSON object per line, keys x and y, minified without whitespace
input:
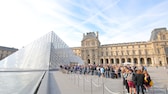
{"x":151,"y":83}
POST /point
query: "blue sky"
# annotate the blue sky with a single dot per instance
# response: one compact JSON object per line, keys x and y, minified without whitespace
{"x":117,"y":21}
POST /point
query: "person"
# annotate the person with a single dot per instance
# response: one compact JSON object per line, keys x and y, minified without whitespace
{"x":125,"y":83}
{"x":130,"y":81}
{"x":98,"y":71}
{"x":139,"y":81}
{"x":147,"y":80}
{"x":112,"y":72}
{"x":102,"y":71}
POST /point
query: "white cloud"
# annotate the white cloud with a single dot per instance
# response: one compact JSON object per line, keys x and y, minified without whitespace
{"x":24,"y":21}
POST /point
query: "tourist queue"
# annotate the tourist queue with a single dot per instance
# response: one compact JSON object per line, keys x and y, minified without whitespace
{"x":135,"y":79}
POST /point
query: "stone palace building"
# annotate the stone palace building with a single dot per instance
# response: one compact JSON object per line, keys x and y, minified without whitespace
{"x":150,"y":53}
{"x":6,"y":51}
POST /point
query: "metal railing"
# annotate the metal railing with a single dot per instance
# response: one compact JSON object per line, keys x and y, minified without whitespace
{"x":92,"y":84}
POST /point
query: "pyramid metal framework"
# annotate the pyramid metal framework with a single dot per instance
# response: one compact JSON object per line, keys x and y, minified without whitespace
{"x":24,"y":71}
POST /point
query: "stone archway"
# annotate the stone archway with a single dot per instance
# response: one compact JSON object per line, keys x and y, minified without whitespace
{"x":135,"y":61}
{"x":107,"y":61}
{"x":129,"y":60}
{"x":117,"y":61}
{"x":101,"y":61}
{"x":149,"y":61}
{"x":88,"y":61}
{"x":142,"y":61}
{"x":112,"y":61}
{"x":122,"y":60}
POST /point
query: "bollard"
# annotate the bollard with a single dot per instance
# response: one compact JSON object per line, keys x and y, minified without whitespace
{"x":122,"y":87}
{"x":98,"y":81}
{"x":103,"y":87}
{"x":83,"y":84}
{"x":166,"y":89}
{"x":74,"y":79}
{"x":78,"y":80}
{"x":153,"y":90}
{"x":91,"y":85}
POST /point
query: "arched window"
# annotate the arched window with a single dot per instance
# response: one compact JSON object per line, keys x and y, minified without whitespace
{"x":88,"y":61}
{"x":149,"y":62}
{"x":107,"y":61}
{"x":117,"y":61}
{"x":112,"y":61}
{"x":135,"y":61}
{"x":142,"y":61}
{"x":129,"y":59}
{"x":101,"y":61}
{"x":122,"y":60}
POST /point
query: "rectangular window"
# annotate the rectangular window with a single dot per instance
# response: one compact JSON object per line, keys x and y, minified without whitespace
{"x":101,"y":53}
{"x":106,"y":53}
{"x":158,"y":51}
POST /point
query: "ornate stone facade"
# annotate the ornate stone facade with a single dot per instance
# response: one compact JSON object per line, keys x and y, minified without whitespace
{"x":149,"y":53}
{"x":6,"y":51}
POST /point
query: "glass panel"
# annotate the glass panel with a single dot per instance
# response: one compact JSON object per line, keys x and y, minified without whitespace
{"x":19,"y":82}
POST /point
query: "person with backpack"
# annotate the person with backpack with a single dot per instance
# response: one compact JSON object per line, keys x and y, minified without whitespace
{"x":130,"y":81}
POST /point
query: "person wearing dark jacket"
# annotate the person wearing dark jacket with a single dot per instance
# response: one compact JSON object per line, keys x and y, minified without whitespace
{"x":139,"y":81}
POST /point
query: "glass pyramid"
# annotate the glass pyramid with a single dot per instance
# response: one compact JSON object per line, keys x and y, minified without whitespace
{"x":48,"y":52}
{"x":23,"y":71}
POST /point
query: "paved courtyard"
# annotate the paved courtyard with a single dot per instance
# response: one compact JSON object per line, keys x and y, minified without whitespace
{"x":80,"y":84}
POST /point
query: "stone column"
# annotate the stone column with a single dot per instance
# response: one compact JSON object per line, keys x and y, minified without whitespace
{"x":145,"y":60}
{"x":164,"y":60}
{"x":153,"y":61}
{"x":114,"y":60}
{"x":139,"y":63}
{"x":119,"y":60}
{"x":132,"y":60}
{"x":104,"y":61}
{"x":109,"y":62}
